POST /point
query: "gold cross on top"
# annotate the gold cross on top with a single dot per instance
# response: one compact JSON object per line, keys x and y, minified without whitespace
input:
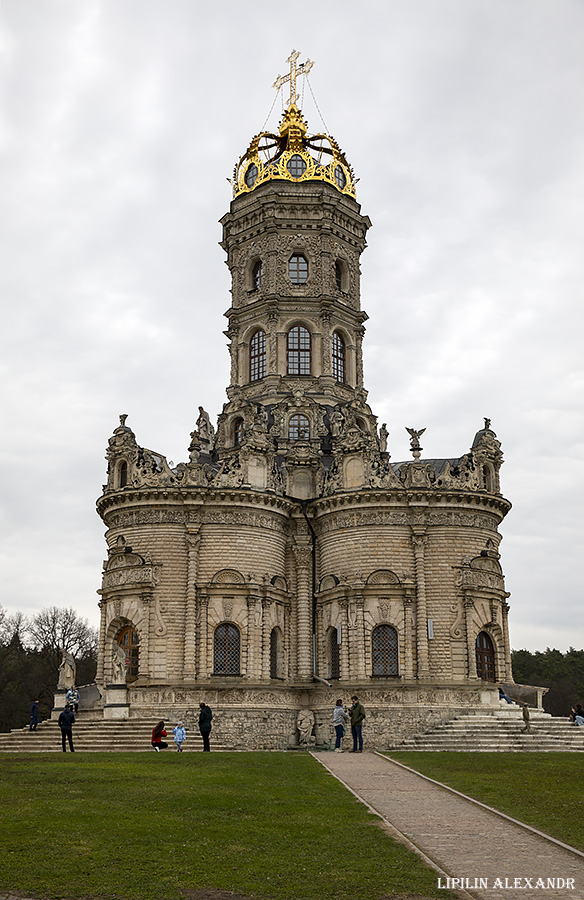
{"x":295,"y":71}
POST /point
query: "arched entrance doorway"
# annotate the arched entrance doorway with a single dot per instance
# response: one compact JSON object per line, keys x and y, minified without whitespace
{"x":485,"y":657}
{"x":129,"y":640}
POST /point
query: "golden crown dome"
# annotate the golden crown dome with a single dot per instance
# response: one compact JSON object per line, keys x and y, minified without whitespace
{"x":293,"y":154}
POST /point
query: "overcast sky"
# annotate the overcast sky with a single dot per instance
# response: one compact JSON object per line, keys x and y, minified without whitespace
{"x":120,"y":122}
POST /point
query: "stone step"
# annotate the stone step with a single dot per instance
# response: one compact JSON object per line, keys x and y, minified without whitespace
{"x":128,"y":736}
{"x":483,"y":733}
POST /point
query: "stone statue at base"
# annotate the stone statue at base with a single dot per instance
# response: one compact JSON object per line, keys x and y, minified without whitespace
{"x":67,"y":669}
{"x":305,"y":724}
{"x":119,"y":665}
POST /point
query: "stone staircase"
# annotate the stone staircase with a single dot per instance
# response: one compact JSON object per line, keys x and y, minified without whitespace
{"x":92,"y":734}
{"x":500,"y":732}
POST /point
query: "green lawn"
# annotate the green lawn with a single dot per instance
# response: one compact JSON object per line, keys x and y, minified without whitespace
{"x":540,"y":789}
{"x":128,"y":826}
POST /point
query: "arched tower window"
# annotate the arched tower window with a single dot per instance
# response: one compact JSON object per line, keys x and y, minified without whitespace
{"x":298,"y":429}
{"x":334,"y":656}
{"x":257,"y":356}
{"x":227,"y":650}
{"x":298,"y":351}
{"x":238,"y":430}
{"x":485,"y":653}
{"x":123,"y":474}
{"x":129,"y":640}
{"x":275,"y":652}
{"x":385,"y":651}
{"x":488,"y":479}
{"x":338,"y":357}
{"x":298,"y":269}
{"x":257,"y":275}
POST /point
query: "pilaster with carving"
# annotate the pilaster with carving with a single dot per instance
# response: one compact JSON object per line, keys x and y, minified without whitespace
{"x":203,"y":634}
{"x":144,"y":667}
{"x":359,"y":357}
{"x":471,"y":656}
{"x":303,"y":559}
{"x":193,"y":540}
{"x":344,"y":660}
{"x":419,"y":540}
{"x":505,"y":617}
{"x":408,"y":602}
{"x":101,"y":654}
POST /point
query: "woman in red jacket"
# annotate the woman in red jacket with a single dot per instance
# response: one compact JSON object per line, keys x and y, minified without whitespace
{"x":157,"y":734}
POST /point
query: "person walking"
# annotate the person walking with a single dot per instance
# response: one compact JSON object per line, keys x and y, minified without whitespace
{"x":34,"y":715}
{"x":66,"y":723}
{"x":180,"y":736}
{"x":72,"y":698}
{"x":205,"y":717}
{"x":357,"y":715}
{"x":158,"y":732}
{"x":340,"y":718}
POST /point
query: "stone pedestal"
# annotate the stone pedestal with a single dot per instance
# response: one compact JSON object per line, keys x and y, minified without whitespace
{"x":117,"y":704}
{"x":58,"y":702}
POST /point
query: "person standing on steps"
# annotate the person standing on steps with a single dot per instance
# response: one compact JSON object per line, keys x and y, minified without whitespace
{"x":357,"y":715}
{"x":34,"y":715}
{"x":66,"y":723}
{"x":72,"y":698}
{"x":205,"y":717}
{"x":527,"y":729}
{"x":340,"y":717}
{"x":158,"y":733}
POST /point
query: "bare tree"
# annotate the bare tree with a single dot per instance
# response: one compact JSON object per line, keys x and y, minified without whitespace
{"x":56,"y":629}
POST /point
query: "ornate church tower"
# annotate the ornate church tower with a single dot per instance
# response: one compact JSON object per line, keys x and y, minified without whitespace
{"x":289,"y":552}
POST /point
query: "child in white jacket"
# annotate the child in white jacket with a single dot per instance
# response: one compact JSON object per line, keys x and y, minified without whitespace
{"x":180,"y":736}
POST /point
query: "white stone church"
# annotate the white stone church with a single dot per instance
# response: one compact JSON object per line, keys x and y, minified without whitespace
{"x":290,"y":561}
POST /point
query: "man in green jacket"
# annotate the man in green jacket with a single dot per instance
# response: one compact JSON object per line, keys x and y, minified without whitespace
{"x":357,"y":714}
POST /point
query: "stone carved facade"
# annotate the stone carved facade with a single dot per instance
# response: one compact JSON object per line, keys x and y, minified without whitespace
{"x":289,"y":545}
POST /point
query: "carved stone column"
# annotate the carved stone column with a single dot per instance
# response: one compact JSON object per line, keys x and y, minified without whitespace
{"x":408,"y":602}
{"x":471,"y":656}
{"x":327,"y":361}
{"x":266,"y":635}
{"x":233,"y":334}
{"x":189,"y":663}
{"x":303,"y":554}
{"x":144,"y":658}
{"x":203,"y":632}
{"x":363,"y":651}
{"x":505,"y":616}
{"x":254,"y":636}
{"x":99,"y":677}
{"x":359,"y":357}
{"x":272,"y":339}
{"x":419,"y":540}
{"x":344,"y":661}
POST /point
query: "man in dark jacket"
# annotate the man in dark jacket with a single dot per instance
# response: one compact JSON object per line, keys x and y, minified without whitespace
{"x":205,"y":717}
{"x":357,"y":714}
{"x":34,"y":715}
{"x":66,"y":723}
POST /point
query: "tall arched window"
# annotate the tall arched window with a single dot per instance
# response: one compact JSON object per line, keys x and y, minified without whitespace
{"x":385,"y":651}
{"x":298,"y":351}
{"x":485,"y":653}
{"x":298,"y":428}
{"x":298,"y":268}
{"x":257,"y":275}
{"x":123,"y":474}
{"x":129,"y":640}
{"x":227,"y":654}
{"x":238,"y":430}
{"x":334,"y":656}
{"x":257,"y":356}
{"x":338,"y":357}
{"x":275,"y":652}
{"x":488,"y":480}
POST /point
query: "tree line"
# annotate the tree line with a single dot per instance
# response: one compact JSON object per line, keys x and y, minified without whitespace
{"x":563,"y":673}
{"x":31,"y":650}
{"x":30,"y":653}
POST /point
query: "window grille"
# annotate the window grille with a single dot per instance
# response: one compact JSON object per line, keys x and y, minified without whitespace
{"x":227,"y":652}
{"x":385,"y":651}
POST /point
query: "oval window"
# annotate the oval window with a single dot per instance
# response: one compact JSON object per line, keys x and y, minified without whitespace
{"x":251,"y":175}
{"x":340,"y":177}
{"x":296,"y":166}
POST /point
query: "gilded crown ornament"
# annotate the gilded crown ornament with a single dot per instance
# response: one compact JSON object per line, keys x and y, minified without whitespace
{"x":293,"y":154}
